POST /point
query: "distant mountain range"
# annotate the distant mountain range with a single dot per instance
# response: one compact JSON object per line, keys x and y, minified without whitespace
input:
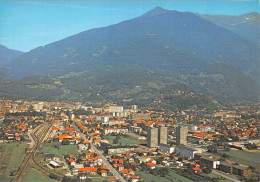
{"x":150,"y":59}
{"x":246,"y":25}
{"x":8,"y":55}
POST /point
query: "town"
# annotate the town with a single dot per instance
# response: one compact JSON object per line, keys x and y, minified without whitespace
{"x":74,"y":141}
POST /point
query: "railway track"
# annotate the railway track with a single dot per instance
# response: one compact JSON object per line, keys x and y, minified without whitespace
{"x":39,"y":136}
{"x":45,"y":136}
{"x":22,"y":170}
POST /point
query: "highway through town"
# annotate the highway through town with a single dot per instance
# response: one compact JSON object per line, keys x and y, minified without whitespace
{"x":110,"y":167}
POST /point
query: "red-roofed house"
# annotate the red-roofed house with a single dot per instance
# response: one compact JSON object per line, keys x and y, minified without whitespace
{"x":196,"y":169}
{"x":151,"y":165}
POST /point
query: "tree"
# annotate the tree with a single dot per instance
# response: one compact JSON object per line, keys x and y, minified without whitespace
{"x":252,"y":167}
{"x":207,"y":170}
{"x":212,"y":148}
{"x":159,"y":160}
{"x":180,"y":159}
{"x":224,"y":155}
{"x":115,"y":141}
{"x":172,"y":156}
{"x":67,"y":179}
{"x":251,"y":146}
{"x":163,"y":171}
{"x":226,"y":147}
{"x":65,"y":142}
{"x":99,"y":171}
{"x":53,"y":176}
{"x":143,"y":166}
{"x":12,"y":173}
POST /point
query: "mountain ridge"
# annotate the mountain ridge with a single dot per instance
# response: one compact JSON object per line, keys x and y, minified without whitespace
{"x":149,"y":59}
{"x":246,"y":25}
{"x":7,"y":55}
{"x":180,"y":33}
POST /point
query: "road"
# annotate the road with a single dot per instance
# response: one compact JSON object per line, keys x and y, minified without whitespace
{"x":224,"y":175}
{"x":32,"y":142}
{"x":110,"y":167}
{"x":81,"y":134}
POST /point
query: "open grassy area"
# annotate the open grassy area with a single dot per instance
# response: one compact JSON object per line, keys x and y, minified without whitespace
{"x":212,"y":175}
{"x":98,"y":179}
{"x":124,"y":140}
{"x":172,"y":176}
{"x":16,"y":154}
{"x":33,"y":176}
{"x":243,"y":157}
{"x":62,"y":150}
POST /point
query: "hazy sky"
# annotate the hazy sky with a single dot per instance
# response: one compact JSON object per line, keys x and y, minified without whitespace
{"x":25,"y":25}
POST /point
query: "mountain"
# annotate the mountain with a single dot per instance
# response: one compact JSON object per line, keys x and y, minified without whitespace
{"x":166,"y":59}
{"x":3,"y":76}
{"x":217,"y":85}
{"x":8,"y":55}
{"x":161,"y":40}
{"x":246,"y":25}
{"x":223,"y":82}
{"x":126,"y":86}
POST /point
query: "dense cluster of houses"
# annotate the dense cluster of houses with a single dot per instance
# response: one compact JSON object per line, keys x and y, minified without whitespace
{"x":82,"y":125}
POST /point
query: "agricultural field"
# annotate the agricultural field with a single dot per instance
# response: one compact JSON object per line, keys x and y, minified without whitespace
{"x":98,"y":179}
{"x":243,"y":157}
{"x":172,"y":176}
{"x":34,"y":175}
{"x":124,"y":140}
{"x":12,"y":156}
{"x":60,"y":150}
{"x":212,"y":175}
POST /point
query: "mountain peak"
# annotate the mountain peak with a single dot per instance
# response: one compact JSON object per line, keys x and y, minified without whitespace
{"x":156,"y":11}
{"x":159,"y":8}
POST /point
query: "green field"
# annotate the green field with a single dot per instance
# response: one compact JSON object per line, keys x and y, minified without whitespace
{"x":123,"y":140}
{"x":98,"y":179}
{"x":16,"y":156}
{"x":33,"y":176}
{"x":243,"y":157}
{"x":212,"y":175}
{"x":172,"y":176}
{"x":62,"y":150}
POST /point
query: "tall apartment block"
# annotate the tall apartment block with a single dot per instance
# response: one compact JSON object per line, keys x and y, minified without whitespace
{"x":152,"y":137}
{"x":163,"y":135}
{"x":181,"y":137}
